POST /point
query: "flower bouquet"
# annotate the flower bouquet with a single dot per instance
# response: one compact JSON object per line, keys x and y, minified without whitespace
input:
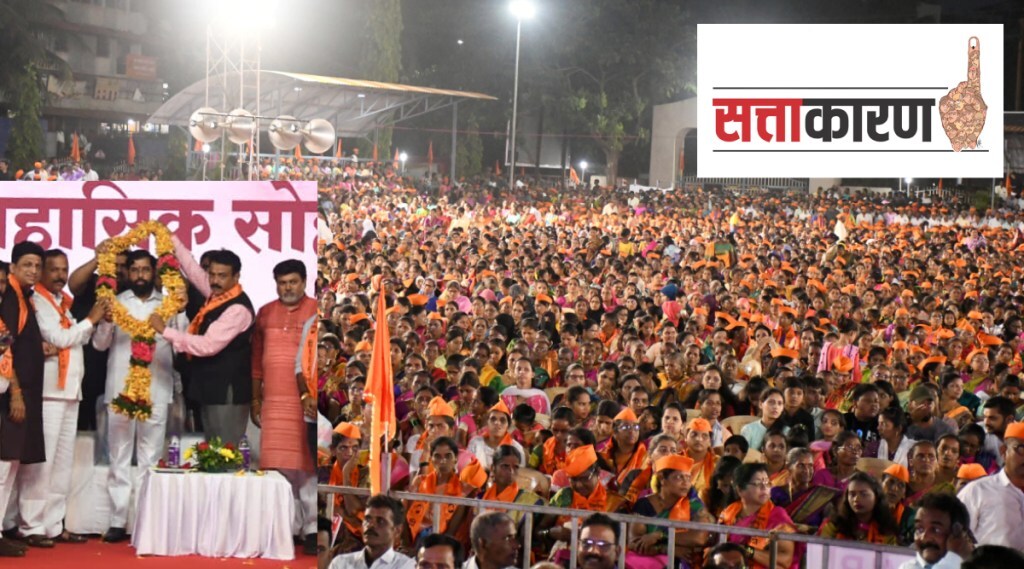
{"x":213,"y":456}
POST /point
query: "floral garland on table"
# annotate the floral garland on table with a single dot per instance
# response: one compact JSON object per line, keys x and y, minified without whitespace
{"x":214,"y":456}
{"x":135,"y":400}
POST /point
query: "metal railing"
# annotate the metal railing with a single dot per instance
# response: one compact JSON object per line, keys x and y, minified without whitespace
{"x":745,"y":183}
{"x":624,"y":521}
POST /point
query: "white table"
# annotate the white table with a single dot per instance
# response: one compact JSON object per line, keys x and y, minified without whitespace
{"x":214,"y":515}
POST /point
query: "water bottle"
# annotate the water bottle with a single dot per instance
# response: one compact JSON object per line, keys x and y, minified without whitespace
{"x":174,"y":452}
{"x":243,"y":447}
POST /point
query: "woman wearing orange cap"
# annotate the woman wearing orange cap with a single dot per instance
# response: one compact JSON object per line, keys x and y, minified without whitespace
{"x":863,"y":514}
{"x":626,"y":453}
{"x":640,"y":485}
{"x":495,"y":434}
{"x":675,"y":500}
{"x":443,"y":480}
{"x":895,"y":479}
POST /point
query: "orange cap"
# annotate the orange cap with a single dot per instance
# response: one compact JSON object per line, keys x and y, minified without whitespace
{"x":364,"y":346}
{"x":579,"y":460}
{"x":700,"y":425}
{"x":500,"y":407}
{"x":674,"y":462}
{"x":438,"y":407}
{"x":474,"y":475}
{"x":972,"y":471}
{"x":1014,"y":431}
{"x":348,"y":430}
{"x":627,"y":414}
{"x":842,"y":364}
{"x":899,"y":472}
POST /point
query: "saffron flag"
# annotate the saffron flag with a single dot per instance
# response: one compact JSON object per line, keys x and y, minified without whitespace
{"x":395,"y":163}
{"x":375,"y":152}
{"x":497,"y":168}
{"x":298,"y":155}
{"x":940,"y":183}
{"x":337,"y":149}
{"x":199,"y":146}
{"x":574,"y":178}
{"x":76,"y":153}
{"x":430,"y":156}
{"x":380,"y":391}
{"x":131,"y":150}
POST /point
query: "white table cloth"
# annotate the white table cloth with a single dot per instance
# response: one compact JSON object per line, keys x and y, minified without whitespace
{"x":215,"y":515}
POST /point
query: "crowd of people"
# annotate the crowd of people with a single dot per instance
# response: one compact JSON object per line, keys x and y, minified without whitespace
{"x":232,"y":361}
{"x":826,"y":364}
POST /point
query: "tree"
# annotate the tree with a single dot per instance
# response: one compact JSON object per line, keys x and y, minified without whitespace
{"x":469,"y":157}
{"x":611,"y":62}
{"x":26,"y":26}
{"x":383,"y":56}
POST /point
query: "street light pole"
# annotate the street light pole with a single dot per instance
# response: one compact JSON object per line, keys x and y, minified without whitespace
{"x":520,"y":9}
{"x":515,"y":109}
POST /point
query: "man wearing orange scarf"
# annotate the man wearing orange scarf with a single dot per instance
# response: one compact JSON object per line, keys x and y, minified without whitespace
{"x":43,"y":488}
{"x":21,"y":368}
{"x":218,"y":343}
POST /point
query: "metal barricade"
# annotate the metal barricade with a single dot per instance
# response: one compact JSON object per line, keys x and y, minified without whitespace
{"x":624,"y":521}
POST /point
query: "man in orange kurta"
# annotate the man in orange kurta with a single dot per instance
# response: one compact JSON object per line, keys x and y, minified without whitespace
{"x":277,"y":396}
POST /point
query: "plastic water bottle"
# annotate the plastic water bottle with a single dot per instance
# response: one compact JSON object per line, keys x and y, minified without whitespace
{"x":174,"y":452}
{"x":243,"y":447}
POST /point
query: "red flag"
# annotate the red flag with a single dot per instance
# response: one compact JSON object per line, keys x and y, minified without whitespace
{"x":337,"y":149}
{"x":430,"y":156}
{"x":131,"y":150}
{"x":380,"y":391}
{"x":76,"y":153}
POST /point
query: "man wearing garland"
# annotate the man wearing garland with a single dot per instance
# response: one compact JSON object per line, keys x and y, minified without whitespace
{"x":217,"y":343}
{"x":43,"y":487}
{"x":277,"y":396}
{"x":21,"y":376}
{"x":124,"y":434}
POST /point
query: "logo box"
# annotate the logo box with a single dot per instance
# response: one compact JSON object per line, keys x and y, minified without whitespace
{"x":850,"y":100}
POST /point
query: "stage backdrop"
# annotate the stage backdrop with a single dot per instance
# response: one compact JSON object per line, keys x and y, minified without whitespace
{"x":263,"y":222}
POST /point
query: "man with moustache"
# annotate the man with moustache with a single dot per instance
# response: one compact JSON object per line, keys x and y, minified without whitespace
{"x":43,"y":488}
{"x":124,"y":434}
{"x":383,"y":522}
{"x":217,"y":343}
{"x":21,"y":377}
{"x":599,"y":543}
{"x":941,"y":534}
{"x":278,"y":399}
{"x":996,"y":503}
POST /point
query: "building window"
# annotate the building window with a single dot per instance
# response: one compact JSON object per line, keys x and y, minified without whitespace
{"x":102,"y":46}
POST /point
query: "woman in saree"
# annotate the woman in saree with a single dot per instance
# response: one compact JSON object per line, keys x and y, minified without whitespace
{"x":845,"y":452}
{"x":755,"y":510}
{"x":661,"y":446}
{"x":626,"y":453}
{"x":863,"y":514}
{"x":675,"y":499}
{"x":443,"y":480}
{"x":804,"y":503}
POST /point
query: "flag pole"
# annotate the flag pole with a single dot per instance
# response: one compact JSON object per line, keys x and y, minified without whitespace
{"x":386,"y":471}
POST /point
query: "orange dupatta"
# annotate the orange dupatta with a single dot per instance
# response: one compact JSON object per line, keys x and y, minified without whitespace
{"x":417,"y":516}
{"x":552,"y":462}
{"x":64,"y":355}
{"x":732,"y":512}
{"x":508,"y":495}
{"x":7,"y":360}
{"x":309,"y":358}
{"x":597,"y":501}
{"x":702,"y":471}
{"x":212,"y":303}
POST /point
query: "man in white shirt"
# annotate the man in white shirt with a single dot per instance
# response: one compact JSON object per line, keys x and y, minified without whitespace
{"x":90,"y":174}
{"x":125,"y":434}
{"x":494,"y":540}
{"x":385,"y":518}
{"x":941,"y":536}
{"x":43,"y":487}
{"x":996,"y":503}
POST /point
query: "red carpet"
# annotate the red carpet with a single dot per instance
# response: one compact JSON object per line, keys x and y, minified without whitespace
{"x":99,"y":555}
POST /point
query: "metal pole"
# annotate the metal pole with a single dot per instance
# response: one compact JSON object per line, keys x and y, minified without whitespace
{"x":515,"y":109}
{"x":773,"y":550}
{"x":574,"y":542}
{"x":527,"y":538}
{"x":455,"y":134}
{"x":671,"y":548}
{"x":993,"y":206}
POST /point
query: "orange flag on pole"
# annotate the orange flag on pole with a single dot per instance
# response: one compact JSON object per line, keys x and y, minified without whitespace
{"x":337,"y":149}
{"x":940,"y":183}
{"x":76,"y":153}
{"x":574,"y":178}
{"x":298,"y":155}
{"x":395,"y":163}
{"x":497,"y":168}
{"x":131,"y":150}
{"x":430,"y":156}
{"x":380,"y":391}
{"x":198,"y":146}
{"x":375,"y":152}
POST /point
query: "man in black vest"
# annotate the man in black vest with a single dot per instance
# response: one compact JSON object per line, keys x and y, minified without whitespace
{"x":218,"y":343}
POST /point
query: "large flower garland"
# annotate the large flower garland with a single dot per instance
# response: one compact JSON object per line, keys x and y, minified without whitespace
{"x":135,"y":400}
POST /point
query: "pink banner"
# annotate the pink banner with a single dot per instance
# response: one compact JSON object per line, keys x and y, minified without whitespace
{"x":263,"y":222}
